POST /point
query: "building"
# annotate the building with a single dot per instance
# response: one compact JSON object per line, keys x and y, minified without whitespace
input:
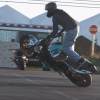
{"x":85,"y":25}
{"x":13,"y":25}
{"x":45,"y":22}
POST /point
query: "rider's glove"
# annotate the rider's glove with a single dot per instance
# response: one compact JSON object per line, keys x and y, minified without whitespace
{"x":54,"y":35}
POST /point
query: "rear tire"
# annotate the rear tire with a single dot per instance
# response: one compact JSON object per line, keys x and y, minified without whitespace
{"x":81,"y":80}
{"x":85,"y":81}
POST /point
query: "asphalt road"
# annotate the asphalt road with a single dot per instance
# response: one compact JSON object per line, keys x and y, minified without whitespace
{"x":44,"y":85}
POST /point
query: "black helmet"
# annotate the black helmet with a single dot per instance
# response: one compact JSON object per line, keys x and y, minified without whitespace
{"x":51,"y":6}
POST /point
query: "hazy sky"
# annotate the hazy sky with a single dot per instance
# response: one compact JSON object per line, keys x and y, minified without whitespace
{"x":78,"y":9}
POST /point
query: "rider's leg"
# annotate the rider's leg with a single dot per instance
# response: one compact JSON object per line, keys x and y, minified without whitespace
{"x":68,"y":47}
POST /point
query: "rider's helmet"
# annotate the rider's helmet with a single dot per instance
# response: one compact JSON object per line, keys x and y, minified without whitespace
{"x":51,"y":6}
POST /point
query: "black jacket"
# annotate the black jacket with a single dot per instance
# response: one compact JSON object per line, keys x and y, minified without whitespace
{"x":59,"y":17}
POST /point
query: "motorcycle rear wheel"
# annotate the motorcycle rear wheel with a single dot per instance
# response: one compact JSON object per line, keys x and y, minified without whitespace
{"x":83,"y":80}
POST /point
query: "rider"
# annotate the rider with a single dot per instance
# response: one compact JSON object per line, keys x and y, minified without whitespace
{"x":69,"y":25}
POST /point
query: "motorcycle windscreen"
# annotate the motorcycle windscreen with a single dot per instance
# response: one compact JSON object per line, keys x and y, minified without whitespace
{"x":55,"y":49}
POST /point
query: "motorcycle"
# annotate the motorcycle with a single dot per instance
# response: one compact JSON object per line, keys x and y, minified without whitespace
{"x":81,"y":78}
{"x":47,"y":57}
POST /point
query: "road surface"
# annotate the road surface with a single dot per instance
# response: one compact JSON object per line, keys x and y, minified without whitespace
{"x":43,"y":85}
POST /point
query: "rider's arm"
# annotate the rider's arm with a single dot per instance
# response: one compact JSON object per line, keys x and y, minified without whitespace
{"x":59,"y":33}
{"x":55,"y":26}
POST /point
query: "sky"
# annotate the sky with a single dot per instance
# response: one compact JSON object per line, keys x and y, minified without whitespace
{"x":78,"y":9}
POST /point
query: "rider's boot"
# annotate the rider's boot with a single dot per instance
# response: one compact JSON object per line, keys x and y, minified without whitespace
{"x":84,"y":64}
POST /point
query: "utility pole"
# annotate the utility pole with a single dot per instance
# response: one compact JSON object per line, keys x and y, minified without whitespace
{"x":93,"y":30}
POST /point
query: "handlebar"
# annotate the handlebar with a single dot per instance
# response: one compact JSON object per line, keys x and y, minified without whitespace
{"x":47,"y":39}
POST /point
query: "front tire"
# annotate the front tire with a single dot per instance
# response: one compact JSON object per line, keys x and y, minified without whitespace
{"x":20,"y":63}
